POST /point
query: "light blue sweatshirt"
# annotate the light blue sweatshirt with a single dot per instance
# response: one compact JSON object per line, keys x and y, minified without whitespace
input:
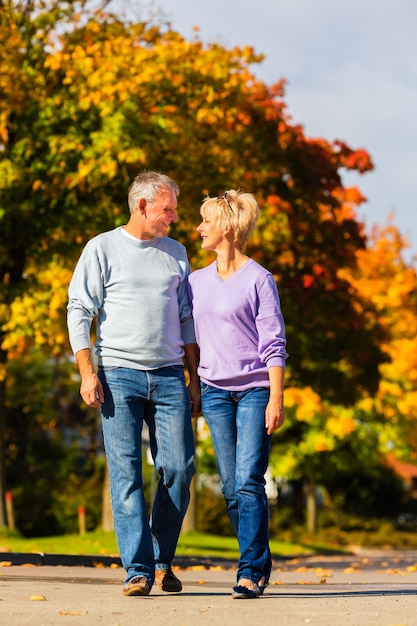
{"x":239,"y":326}
{"x":137,"y":291}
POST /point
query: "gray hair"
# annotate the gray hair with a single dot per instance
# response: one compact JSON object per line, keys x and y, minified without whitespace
{"x":148,"y":185}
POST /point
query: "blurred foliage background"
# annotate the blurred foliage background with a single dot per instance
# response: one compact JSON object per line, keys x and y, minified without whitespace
{"x":88,"y":99}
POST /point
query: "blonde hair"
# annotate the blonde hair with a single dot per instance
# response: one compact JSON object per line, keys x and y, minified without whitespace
{"x":238,"y":209}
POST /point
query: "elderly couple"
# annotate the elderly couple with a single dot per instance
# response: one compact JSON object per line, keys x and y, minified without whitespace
{"x":151,"y":313}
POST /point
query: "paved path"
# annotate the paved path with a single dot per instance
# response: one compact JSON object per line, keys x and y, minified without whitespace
{"x":367,"y":588}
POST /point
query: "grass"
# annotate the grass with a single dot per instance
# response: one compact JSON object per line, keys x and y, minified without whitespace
{"x":292,"y":543}
{"x":104,"y":544}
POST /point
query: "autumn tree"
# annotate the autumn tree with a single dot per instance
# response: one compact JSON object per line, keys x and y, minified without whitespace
{"x":324,"y":444}
{"x":88,"y":100}
{"x":384,"y":278}
{"x":34,"y":206}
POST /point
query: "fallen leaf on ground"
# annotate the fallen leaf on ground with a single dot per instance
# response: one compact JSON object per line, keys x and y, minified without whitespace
{"x":323,"y":572}
{"x":305,"y":582}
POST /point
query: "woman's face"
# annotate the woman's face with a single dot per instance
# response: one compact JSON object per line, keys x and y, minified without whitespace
{"x":211,"y":234}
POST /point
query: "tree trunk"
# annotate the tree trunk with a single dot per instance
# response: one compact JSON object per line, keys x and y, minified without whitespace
{"x":190,"y":519}
{"x":107,"y":514}
{"x":189,"y":522}
{"x":3,"y":363}
{"x":311,"y":504}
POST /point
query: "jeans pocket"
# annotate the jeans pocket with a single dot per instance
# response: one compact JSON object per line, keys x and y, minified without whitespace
{"x":204,"y":387}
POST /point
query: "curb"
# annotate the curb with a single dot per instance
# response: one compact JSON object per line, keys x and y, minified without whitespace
{"x":75,"y":560}
{"x":39,"y":558}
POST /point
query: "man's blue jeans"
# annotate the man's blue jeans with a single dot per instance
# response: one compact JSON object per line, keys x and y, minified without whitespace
{"x":237,"y":425}
{"x":160,"y":398}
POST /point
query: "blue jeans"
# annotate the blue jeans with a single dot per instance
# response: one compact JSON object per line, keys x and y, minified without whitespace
{"x":160,"y":398}
{"x":237,"y":425}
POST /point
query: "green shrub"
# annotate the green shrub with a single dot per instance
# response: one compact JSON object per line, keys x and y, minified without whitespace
{"x":212,"y":515}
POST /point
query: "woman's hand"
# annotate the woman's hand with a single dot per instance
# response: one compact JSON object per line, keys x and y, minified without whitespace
{"x":274,"y":414}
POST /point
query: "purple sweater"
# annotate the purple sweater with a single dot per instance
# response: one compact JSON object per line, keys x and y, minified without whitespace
{"x":239,"y":326}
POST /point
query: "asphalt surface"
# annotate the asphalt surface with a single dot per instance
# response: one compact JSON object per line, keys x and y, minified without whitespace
{"x":364,"y":588}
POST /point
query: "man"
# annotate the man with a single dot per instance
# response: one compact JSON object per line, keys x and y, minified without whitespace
{"x":132,"y":280}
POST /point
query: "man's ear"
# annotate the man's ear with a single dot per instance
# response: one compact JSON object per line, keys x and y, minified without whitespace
{"x":142,"y":205}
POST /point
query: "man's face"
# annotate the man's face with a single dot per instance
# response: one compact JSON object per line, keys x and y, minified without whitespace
{"x":160,"y":213}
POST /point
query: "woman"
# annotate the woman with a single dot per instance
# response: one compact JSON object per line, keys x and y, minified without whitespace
{"x":241,"y":335}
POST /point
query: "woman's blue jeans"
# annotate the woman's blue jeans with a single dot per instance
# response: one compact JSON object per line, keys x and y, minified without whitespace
{"x":160,"y":398}
{"x":237,"y":425}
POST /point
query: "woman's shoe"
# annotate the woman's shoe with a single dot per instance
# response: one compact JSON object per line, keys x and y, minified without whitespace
{"x":240,"y":592}
{"x":263,"y":584}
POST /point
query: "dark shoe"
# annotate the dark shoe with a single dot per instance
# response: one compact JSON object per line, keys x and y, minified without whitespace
{"x":263,"y":584}
{"x":167,"y":581}
{"x":244,"y":593}
{"x":137,"y":586}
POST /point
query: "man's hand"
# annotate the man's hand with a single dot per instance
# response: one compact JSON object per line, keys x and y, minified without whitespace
{"x":92,"y":390}
{"x":195,"y":397}
{"x":192,"y":356}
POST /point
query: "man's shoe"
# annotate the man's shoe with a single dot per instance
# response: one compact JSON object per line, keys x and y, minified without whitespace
{"x":167,"y":581}
{"x":137,"y":586}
